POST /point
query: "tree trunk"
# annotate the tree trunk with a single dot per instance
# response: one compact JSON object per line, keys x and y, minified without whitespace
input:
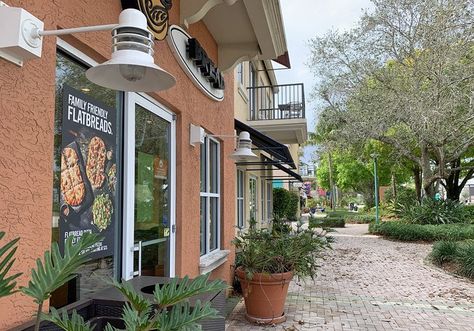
{"x":426,"y":172}
{"x":394,"y":186}
{"x":331,"y":182}
{"x":417,"y":177}
{"x":453,"y":186}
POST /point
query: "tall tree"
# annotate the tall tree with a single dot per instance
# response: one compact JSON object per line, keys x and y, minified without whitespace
{"x":404,"y":76}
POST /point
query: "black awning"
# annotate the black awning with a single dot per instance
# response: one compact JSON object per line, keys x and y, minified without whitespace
{"x":280,"y":153}
{"x":267,"y":144}
{"x":289,"y":172}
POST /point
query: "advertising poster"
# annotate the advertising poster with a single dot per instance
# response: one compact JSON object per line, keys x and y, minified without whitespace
{"x":88,"y":171}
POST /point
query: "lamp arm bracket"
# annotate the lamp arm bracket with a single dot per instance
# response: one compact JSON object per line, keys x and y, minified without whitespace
{"x":36,"y":33}
{"x":222,"y":136}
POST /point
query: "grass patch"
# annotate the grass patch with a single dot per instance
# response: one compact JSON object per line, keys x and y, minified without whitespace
{"x":328,"y":222}
{"x":466,"y":259}
{"x":338,"y":213}
{"x":360,"y":219}
{"x":416,"y":232}
{"x":352,"y":217}
{"x":444,"y":251}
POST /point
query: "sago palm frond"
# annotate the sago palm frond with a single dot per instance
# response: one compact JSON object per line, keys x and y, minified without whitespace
{"x":56,"y":270}
{"x":7,"y":284}
{"x":73,"y":323}
{"x":178,"y":290}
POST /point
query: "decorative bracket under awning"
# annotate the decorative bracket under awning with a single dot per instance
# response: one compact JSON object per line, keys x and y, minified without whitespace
{"x":196,"y":10}
{"x":243,"y":30}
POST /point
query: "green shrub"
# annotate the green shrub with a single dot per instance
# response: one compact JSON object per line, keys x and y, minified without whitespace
{"x":338,"y":213}
{"x":469,"y":209}
{"x":416,"y":232}
{"x":328,"y":222}
{"x":466,"y":260}
{"x":280,"y":202}
{"x":285,"y":204}
{"x":292,"y":209}
{"x":430,"y":211}
{"x":444,"y":251}
{"x":405,"y":197}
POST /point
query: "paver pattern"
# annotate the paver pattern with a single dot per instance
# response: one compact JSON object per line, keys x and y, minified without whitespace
{"x":370,"y":283}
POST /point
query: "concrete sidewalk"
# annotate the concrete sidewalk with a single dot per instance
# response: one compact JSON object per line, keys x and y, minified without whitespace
{"x":369,"y":283}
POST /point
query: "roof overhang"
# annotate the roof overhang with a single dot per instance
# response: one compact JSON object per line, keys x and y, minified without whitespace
{"x":243,"y":29}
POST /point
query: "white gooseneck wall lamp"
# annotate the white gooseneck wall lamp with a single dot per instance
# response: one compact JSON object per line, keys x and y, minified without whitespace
{"x":131,"y":67}
{"x":243,"y":152}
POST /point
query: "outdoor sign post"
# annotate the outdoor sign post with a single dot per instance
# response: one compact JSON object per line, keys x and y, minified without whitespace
{"x":376,"y":185}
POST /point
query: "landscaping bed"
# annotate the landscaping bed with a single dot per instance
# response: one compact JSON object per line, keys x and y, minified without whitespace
{"x":416,"y":232}
{"x":327,"y":222}
{"x":455,"y":256}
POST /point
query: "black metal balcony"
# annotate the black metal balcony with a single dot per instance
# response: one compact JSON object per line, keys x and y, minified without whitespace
{"x":277,"y":102}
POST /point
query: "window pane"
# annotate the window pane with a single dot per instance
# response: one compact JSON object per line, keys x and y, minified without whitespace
{"x":262,"y":199}
{"x":213,"y":226}
{"x":203,"y":225}
{"x":152,"y":194}
{"x":240,"y":183}
{"x":214,"y":166}
{"x":240,"y":212}
{"x":89,"y":276}
{"x":203,"y":167}
{"x":253,"y":198}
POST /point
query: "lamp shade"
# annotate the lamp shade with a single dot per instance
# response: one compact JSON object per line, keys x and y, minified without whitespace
{"x":132,"y":66}
{"x":244,"y":148}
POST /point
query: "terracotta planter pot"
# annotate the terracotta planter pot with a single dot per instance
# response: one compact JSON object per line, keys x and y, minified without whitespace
{"x":265,"y":296}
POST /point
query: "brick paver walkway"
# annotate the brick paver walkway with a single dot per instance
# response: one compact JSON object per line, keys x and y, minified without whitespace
{"x":369,"y":283}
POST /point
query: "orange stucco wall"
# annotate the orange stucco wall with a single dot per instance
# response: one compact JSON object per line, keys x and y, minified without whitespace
{"x":26,"y":141}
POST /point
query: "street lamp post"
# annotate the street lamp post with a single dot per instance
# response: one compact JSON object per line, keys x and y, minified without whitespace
{"x":376,"y":188}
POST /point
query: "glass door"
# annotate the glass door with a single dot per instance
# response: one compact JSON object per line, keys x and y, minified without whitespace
{"x":149,"y":192}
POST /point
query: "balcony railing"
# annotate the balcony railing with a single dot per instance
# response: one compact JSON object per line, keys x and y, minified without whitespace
{"x":277,"y":102}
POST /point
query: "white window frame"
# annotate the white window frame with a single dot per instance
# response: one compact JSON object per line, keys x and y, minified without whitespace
{"x":262,"y":201}
{"x":207,"y":194}
{"x":269,"y":189}
{"x":240,"y":196}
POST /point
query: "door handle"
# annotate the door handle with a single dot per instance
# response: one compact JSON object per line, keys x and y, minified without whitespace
{"x":138,"y":247}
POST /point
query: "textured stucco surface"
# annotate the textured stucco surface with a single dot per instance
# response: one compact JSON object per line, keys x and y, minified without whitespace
{"x":26,"y":141}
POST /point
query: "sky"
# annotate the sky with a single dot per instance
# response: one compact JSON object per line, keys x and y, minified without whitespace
{"x":303,"y":20}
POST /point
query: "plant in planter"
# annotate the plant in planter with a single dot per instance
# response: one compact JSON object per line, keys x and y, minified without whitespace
{"x":267,"y":261}
{"x":7,"y":252}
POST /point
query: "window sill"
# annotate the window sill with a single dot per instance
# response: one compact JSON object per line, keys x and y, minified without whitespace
{"x":212,"y":260}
